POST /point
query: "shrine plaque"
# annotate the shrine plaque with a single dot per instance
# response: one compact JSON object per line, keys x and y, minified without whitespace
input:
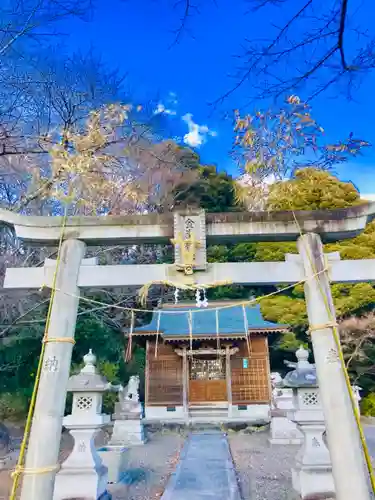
{"x":187,"y":225}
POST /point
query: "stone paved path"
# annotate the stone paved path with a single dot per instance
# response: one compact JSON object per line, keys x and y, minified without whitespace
{"x":205,"y":470}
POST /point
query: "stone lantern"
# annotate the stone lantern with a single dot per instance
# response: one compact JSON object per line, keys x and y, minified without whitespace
{"x":83,"y":474}
{"x":312,"y":474}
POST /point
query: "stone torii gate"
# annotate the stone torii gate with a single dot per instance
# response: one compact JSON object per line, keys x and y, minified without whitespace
{"x":191,"y":230}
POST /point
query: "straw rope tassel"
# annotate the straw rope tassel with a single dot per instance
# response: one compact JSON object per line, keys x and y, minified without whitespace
{"x":246,"y":325}
{"x":130,"y":341}
{"x":157,"y":333}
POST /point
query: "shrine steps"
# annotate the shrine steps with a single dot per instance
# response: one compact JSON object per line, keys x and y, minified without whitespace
{"x":208,"y":413}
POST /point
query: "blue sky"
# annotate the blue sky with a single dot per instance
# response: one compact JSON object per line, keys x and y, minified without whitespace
{"x":136,"y":35}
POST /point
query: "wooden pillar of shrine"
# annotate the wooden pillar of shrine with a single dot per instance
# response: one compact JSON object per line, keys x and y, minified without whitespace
{"x":185,"y":380}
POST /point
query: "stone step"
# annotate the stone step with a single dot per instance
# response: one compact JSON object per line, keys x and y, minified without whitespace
{"x":209,"y":408}
{"x":208,"y":404}
{"x":209,"y":416}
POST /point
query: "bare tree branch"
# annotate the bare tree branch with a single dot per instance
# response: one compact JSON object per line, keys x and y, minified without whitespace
{"x":25,"y":19}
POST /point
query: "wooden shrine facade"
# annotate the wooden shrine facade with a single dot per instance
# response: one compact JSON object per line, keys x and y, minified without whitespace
{"x":205,"y":373}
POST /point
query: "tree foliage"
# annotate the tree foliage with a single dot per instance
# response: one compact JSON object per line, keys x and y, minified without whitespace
{"x":308,"y":189}
{"x":19,"y":356}
{"x":276,"y":143}
{"x":212,"y":190}
{"x":312,"y":189}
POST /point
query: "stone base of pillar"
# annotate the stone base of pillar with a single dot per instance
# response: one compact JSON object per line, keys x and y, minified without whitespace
{"x":312,"y":475}
{"x":81,"y":483}
{"x":83,"y":474}
{"x":313,"y":484}
{"x":283,"y":431}
{"x":114,"y":458}
{"x":128,"y":433}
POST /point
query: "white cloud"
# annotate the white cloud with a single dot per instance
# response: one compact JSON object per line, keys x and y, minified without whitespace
{"x":173,"y":97}
{"x":161,"y":109}
{"x":197,"y":134}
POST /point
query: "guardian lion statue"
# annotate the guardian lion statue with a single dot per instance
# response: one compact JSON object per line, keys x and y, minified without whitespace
{"x":131,"y":391}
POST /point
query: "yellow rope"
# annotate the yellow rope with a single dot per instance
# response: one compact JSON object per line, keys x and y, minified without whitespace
{"x":41,"y":470}
{"x":332,"y":324}
{"x":194,"y":311}
{"x":59,"y":339}
{"x":19,"y":467}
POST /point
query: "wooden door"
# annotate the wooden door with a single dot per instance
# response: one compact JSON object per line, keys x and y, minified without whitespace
{"x":207,"y":391}
{"x":207,"y":382}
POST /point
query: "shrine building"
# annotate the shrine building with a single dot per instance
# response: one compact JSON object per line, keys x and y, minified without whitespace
{"x":211,"y":365}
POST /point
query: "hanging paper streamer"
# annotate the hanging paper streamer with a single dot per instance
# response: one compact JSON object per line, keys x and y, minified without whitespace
{"x":204,"y":301}
{"x":246,"y":326}
{"x":198,"y":298}
{"x":176,"y":294}
{"x":201,"y":298}
{"x":130,"y":340}
{"x":157,"y":333}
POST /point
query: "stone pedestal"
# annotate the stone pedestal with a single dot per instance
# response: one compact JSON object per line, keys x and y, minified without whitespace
{"x":128,"y":433}
{"x":312,"y":474}
{"x":114,"y":458}
{"x":283,"y":430}
{"x":83,"y":474}
{"x":128,"y":428}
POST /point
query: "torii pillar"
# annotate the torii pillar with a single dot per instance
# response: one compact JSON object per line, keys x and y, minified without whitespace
{"x":45,"y":437}
{"x":342,"y":432}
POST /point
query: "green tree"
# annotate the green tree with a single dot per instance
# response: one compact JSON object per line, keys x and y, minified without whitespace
{"x":212,"y":190}
{"x":309,"y":189}
{"x":19,"y":355}
{"x":312,"y":189}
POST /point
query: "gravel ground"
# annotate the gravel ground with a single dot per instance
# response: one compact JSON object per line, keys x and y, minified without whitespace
{"x":149,"y":466}
{"x":264,"y":472}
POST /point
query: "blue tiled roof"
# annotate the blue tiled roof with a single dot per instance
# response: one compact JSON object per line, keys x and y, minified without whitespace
{"x":231,"y":321}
